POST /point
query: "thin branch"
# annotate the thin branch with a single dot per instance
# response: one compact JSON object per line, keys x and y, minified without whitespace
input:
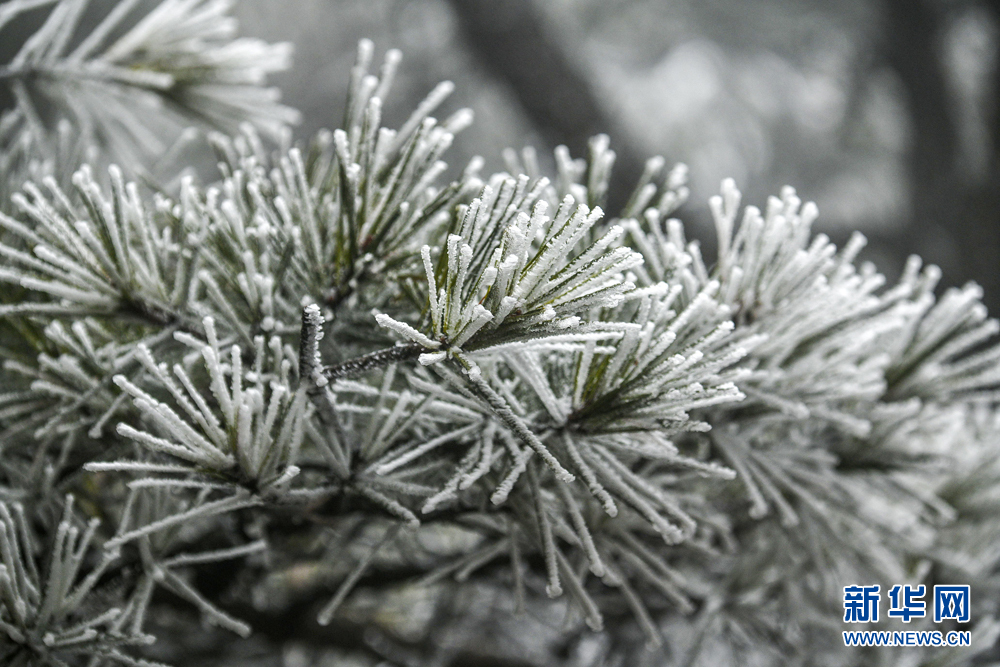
{"x":373,"y":360}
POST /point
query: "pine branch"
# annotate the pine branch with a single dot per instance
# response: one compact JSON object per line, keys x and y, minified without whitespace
{"x":137,"y":68}
{"x":590,"y":409}
{"x":372,"y":361}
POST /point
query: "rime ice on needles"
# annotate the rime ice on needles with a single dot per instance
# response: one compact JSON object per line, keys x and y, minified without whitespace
{"x":510,"y":276}
{"x":138,"y":70}
{"x":70,"y":386}
{"x":667,"y":364}
{"x":249,"y":430}
{"x":104,"y":256}
{"x":39,"y":609}
{"x":346,"y":209}
{"x":612,"y":416}
{"x":514,"y":278}
{"x":828,"y":346}
{"x":940,"y":354}
{"x":812,"y":315}
{"x":149,"y":516}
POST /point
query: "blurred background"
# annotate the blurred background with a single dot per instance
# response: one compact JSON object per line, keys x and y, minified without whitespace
{"x":883,"y":112}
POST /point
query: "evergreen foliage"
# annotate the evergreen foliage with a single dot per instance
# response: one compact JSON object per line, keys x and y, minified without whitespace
{"x":333,"y":350}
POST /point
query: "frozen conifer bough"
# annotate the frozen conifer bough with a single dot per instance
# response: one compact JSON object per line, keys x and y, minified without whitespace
{"x":330,"y":373}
